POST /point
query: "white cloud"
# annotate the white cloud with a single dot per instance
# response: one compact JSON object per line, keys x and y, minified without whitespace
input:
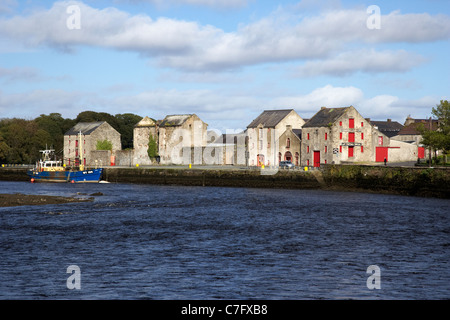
{"x":187,"y":45}
{"x":207,"y":3}
{"x":6,"y":6}
{"x":19,"y":73}
{"x":364,"y":60}
{"x":220,"y":110}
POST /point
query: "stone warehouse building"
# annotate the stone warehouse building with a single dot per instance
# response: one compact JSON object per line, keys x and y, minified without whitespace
{"x":85,"y":151}
{"x":266,"y":146}
{"x":337,"y":135}
{"x":177,"y":137}
{"x":141,"y":136}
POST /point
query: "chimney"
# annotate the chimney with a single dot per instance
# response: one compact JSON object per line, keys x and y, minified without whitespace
{"x":321,"y":108}
{"x":368,"y":120}
{"x":389,"y":120}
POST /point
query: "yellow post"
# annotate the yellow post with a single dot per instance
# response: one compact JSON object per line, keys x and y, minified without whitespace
{"x":137,"y":165}
{"x":190,"y":166}
{"x":306,"y":168}
{"x":262,"y":167}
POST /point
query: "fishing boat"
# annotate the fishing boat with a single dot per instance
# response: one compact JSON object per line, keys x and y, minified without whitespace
{"x":48,"y":170}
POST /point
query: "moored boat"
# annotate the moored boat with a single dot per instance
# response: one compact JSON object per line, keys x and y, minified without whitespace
{"x":47,"y":170}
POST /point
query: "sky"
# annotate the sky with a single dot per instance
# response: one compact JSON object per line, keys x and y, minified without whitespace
{"x":224,"y":60}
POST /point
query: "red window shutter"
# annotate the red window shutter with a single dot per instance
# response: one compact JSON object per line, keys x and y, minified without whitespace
{"x":340,"y":135}
{"x":326,"y":136}
{"x":340,"y":149}
{"x":362,"y":149}
{"x":307,"y":162}
{"x":340,"y":123}
{"x":351,"y":137}
{"x":351,"y":123}
{"x":362,"y":124}
{"x":362,"y":135}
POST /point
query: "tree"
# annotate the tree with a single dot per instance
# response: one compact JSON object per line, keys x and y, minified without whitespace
{"x":104,"y":145}
{"x":438,"y":139}
{"x":4,"y":150}
{"x":152,"y":147}
{"x":126,"y":123}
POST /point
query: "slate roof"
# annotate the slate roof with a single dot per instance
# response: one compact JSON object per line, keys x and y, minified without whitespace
{"x":324,"y":117}
{"x":411,"y":129}
{"x":174,"y":120}
{"x":389,"y":128}
{"x":86,"y":128}
{"x":298,"y":133}
{"x":269,"y":118}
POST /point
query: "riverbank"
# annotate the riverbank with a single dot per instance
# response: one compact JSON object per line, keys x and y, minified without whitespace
{"x":18,"y":199}
{"x":411,"y":181}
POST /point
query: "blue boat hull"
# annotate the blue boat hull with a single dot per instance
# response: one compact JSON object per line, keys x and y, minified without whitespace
{"x":85,"y":176}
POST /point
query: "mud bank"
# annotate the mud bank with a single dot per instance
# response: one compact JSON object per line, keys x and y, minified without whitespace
{"x":14,"y":200}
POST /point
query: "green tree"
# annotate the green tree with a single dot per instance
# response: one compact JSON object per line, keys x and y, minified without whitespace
{"x":4,"y":150}
{"x":104,"y":145}
{"x":438,"y":139}
{"x":152,"y":147}
{"x":126,"y":123}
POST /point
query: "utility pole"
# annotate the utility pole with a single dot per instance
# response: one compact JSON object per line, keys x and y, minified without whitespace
{"x":429,"y":148}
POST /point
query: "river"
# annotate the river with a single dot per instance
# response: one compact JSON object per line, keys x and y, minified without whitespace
{"x":175,"y":242}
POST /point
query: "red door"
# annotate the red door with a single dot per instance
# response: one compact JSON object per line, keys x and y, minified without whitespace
{"x":381,"y":154}
{"x":421,"y":152}
{"x":351,"y":151}
{"x":316,"y":159}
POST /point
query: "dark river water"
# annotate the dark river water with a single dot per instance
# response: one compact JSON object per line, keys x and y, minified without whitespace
{"x":176,"y":243}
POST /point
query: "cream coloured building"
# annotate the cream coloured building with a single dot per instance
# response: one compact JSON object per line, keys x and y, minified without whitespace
{"x":339,"y":135}
{"x":264,"y":134}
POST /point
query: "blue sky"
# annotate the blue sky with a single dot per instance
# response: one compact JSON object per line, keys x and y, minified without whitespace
{"x":225,"y":60}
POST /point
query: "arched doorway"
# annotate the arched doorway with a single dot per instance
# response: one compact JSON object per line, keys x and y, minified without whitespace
{"x":288,"y":156}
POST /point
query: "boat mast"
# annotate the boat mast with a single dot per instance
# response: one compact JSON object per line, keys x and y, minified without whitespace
{"x":80,"y":147}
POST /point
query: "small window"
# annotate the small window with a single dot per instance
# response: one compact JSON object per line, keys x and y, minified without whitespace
{"x":307,"y":149}
{"x":362,"y":135}
{"x":308,"y":136}
{"x":307,"y":162}
{"x":340,"y":149}
{"x":340,"y":123}
{"x":362,"y":149}
{"x":326,"y":149}
{"x":351,"y":123}
{"x":288,"y":143}
{"x":340,"y":135}
{"x":326,"y":136}
{"x":362,"y":124}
